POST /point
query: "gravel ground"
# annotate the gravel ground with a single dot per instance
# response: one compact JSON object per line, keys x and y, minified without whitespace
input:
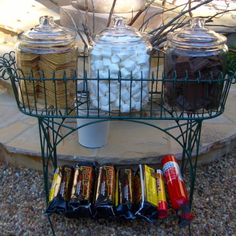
{"x":22,"y":206}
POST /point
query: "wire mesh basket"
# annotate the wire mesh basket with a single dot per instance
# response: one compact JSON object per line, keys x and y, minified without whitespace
{"x":155,"y":97}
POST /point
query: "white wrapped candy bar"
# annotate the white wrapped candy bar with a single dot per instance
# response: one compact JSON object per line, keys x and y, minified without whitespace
{"x":123,"y":68}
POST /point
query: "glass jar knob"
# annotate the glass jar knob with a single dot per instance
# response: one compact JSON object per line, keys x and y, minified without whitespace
{"x":197,"y":23}
{"x":46,"y":22}
{"x":119,"y":22}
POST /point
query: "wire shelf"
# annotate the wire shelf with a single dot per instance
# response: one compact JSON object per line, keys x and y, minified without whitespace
{"x":188,"y":102}
{"x":80,"y":96}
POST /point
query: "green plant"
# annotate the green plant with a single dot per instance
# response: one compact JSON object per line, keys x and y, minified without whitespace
{"x":231,"y":62}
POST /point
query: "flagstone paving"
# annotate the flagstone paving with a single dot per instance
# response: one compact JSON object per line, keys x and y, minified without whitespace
{"x":128,"y":142}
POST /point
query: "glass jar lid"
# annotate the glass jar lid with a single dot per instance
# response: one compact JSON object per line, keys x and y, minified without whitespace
{"x":120,"y":33}
{"x":196,"y":36}
{"x":47,"y":34}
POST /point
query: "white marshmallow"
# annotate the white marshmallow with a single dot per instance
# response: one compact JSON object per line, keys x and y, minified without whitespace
{"x":145,"y":94}
{"x":96,"y":52}
{"x":113,"y":97}
{"x":124,"y":107}
{"x":136,"y":105}
{"x":97,"y":65}
{"x":106,"y":62}
{"x":136,"y":87}
{"x":145,"y":86}
{"x":113,"y":90}
{"x":103,"y":89}
{"x":145,"y":73}
{"x":128,"y":64}
{"x":136,"y":72}
{"x":106,"y":52}
{"x":105,"y":108}
{"x":94,"y":102}
{"x":114,"y":68}
{"x":142,"y":59}
{"x":124,"y":73}
{"x":141,"y":48}
{"x":114,"y":87}
{"x":137,"y":97}
{"x":115,"y":59}
{"x":93,"y":86}
{"x":114,"y":75}
{"x":125,"y":84}
{"x":125,"y":95}
{"x":117,"y":102}
{"x":103,"y":74}
{"x":122,"y":55}
{"x":103,"y":100}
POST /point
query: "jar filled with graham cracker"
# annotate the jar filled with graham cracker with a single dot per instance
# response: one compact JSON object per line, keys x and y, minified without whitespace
{"x":47,"y":57}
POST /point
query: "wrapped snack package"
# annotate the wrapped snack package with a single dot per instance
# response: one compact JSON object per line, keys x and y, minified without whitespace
{"x":80,"y":203}
{"x":125,"y":193}
{"x":146,"y":193}
{"x":105,"y":192}
{"x":60,"y":191}
{"x":161,"y":195}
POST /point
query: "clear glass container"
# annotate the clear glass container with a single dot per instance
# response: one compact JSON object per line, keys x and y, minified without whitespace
{"x":47,"y":48}
{"x":194,"y":53}
{"x":119,"y":52}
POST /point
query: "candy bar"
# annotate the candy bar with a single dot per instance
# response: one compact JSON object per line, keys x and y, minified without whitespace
{"x":80,"y":203}
{"x":105,"y":192}
{"x":125,"y":193}
{"x":146,"y":193}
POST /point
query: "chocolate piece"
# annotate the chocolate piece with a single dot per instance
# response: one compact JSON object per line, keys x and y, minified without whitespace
{"x":193,"y":83}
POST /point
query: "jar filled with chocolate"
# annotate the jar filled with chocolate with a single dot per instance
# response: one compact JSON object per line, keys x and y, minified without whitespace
{"x":48,"y":54}
{"x":194,"y":68}
{"x":120,"y":65}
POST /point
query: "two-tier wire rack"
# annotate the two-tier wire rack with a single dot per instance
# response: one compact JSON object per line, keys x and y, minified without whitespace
{"x":52,"y":117}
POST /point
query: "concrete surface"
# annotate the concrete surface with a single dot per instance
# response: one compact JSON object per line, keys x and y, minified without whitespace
{"x":128,"y":142}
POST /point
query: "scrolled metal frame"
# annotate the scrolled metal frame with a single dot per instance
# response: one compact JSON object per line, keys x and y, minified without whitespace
{"x":51,"y":120}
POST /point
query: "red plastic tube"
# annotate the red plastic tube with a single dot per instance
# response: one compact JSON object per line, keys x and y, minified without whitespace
{"x":175,"y":186}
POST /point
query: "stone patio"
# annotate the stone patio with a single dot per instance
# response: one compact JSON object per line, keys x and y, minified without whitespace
{"x":128,"y":142}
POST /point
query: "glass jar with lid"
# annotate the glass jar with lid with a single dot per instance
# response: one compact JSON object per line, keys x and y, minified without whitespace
{"x":47,"y":51}
{"x":194,"y":66}
{"x":119,"y":65}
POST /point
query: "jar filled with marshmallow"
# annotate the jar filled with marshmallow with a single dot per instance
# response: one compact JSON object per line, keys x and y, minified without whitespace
{"x":119,"y":68}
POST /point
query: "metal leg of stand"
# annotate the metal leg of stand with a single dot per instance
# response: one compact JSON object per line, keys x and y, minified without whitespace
{"x":191,"y":140}
{"x":48,"y":152}
{"x":51,"y":225}
{"x":189,"y":230}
